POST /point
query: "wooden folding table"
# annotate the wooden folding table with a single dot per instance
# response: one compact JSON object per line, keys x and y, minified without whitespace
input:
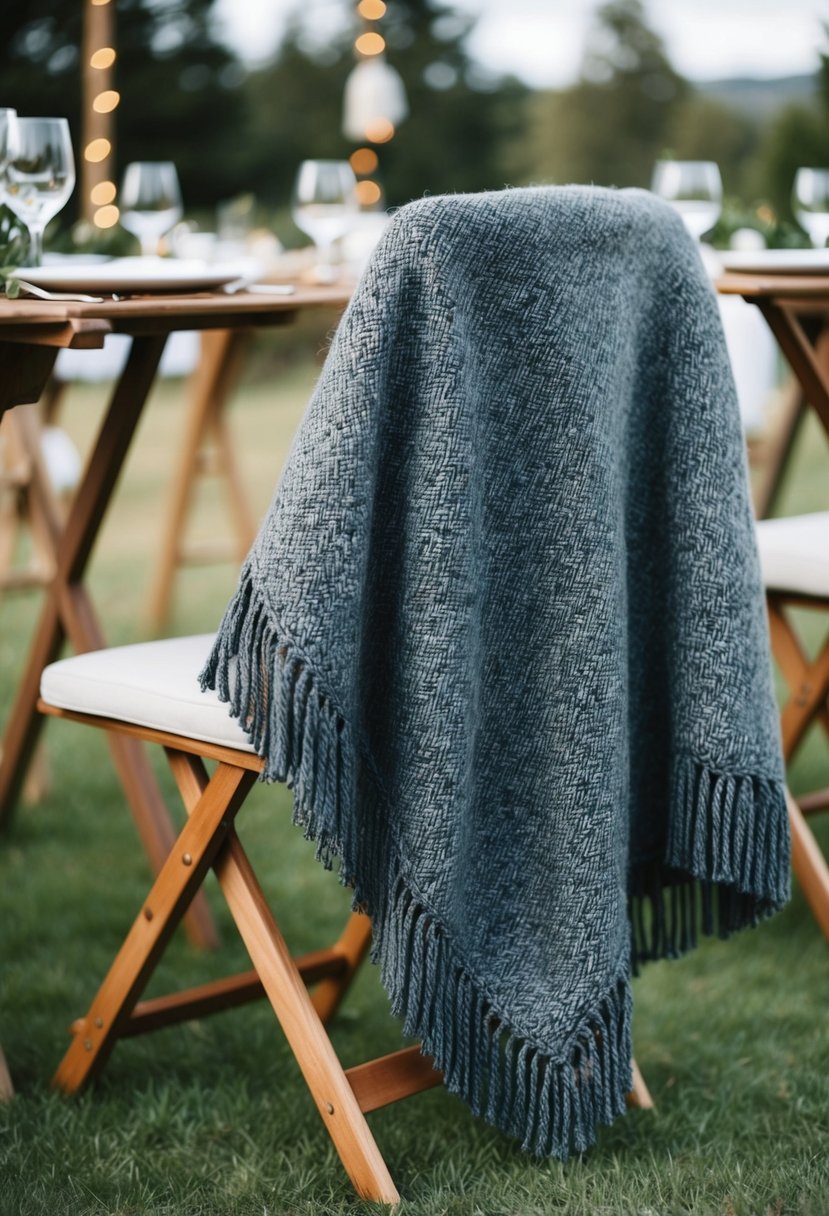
{"x":796,"y":308}
{"x":31,"y":334}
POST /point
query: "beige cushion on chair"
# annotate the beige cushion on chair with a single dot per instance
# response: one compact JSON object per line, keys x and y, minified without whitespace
{"x":152,"y":684}
{"x":794,"y":553}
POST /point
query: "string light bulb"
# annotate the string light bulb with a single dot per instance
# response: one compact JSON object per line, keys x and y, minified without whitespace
{"x":106,"y":217}
{"x":106,"y":102}
{"x":370,"y":44}
{"x":368,"y":193}
{"x":97,"y":150}
{"x":363,"y":161}
{"x":379,"y":130}
{"x":103,"y":58}
{"x":103,"y":193}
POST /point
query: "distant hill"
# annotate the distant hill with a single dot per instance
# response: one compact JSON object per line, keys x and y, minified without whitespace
{"x":759,"y":98}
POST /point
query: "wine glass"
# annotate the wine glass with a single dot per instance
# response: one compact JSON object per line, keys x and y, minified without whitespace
{"x":810,"y":199}
{"x":39,"y":176}
{"x":8,"y":123}
{"x":693,"y":188}
{"x":324,"y":207}
{"x":150,"y":201}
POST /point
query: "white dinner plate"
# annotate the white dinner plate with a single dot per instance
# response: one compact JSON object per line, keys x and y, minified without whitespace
{"x":777,"y":261}
{"x":125,"y":275}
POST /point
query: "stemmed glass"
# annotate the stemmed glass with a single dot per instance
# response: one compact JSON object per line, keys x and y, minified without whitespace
{"x":693,"y":188}
{"x":8,"y":122}
{"x":39,"y":175}
{"x":324,"y":207}
{"x":810,"y":198}
{"x":150,"y":201}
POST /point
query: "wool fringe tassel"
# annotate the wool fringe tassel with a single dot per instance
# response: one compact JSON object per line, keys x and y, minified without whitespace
{"x":552,"y":1106}
{"x":727,"y":862}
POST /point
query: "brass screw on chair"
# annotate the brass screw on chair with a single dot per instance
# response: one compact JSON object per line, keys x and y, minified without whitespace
{"x":187,"y":859}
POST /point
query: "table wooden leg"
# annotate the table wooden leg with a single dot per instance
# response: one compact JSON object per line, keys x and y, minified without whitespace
{"x":68,"y":612}
{"x":780,"y":450}
{"x":18,"y":510}
{"x":23,"y":375}
{"x":25,"y":723}
{"x":240,"y":508}
{"x":809,"y":361}
{"x":222,"y":354}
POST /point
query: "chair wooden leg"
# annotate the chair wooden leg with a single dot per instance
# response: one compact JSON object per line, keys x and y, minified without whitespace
{"x":639,"y":1095}
{"x":809,"y":685}
{"x":179,"y":879}
{"x":6,"y":1088}
{"x":353,"y":944}
{"x":808,"y":680}
{"x":318,"y":1062}
{"x":38,"y":780}
{"x":809,"y":865}
{"x":299,"y":1014}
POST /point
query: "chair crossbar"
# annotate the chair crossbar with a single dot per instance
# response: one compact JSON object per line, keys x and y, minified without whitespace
{"x":814,"y":803}
{"x":389,"y":1078}
{"x":232,"y":992}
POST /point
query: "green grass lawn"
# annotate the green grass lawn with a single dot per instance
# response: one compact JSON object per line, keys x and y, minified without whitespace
{"x":213,"y":1118}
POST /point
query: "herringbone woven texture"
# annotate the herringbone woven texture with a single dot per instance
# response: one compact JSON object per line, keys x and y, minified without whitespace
{"x":503,"y":632}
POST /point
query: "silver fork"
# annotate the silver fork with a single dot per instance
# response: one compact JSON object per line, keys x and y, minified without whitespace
{"x":75,"y":296}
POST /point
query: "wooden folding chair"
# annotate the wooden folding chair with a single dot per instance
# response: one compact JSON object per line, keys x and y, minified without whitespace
{"x":149,"y":691}
{"x":794,"y":555}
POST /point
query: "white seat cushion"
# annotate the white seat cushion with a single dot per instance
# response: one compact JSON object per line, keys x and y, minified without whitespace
{"x":794,"y":553}
{"x":150,"y":684}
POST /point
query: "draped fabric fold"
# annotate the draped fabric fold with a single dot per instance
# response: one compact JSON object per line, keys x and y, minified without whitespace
{"x":502,"y":631}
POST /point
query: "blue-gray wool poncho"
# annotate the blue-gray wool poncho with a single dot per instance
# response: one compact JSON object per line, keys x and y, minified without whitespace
{"x":503,"y":633}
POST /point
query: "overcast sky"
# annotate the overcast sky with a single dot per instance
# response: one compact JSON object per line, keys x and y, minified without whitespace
{"x":541,"y":40}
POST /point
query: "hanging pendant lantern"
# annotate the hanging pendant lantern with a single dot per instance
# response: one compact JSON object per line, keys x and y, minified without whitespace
{"x":374,"y":101}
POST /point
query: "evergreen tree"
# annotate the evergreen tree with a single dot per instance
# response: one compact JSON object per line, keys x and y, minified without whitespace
{"x":798,"y":137}
{"x":610,"y":126}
